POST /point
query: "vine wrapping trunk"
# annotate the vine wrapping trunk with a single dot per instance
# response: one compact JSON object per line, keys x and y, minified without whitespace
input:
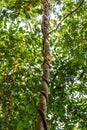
{"x":41,"y":124}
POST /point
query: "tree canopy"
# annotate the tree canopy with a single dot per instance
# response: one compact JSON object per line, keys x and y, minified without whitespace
{"x":21,"y":60}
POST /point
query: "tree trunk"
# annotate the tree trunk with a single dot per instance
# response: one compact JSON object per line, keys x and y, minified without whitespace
{"x":41,"y":124}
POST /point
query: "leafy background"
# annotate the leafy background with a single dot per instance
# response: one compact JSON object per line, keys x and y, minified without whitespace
{"x":21,"y":59}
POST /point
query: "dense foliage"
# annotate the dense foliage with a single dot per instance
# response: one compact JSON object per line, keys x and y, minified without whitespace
{"x":21,"y":59}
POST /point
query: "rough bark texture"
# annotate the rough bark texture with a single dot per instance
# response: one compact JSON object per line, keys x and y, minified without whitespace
{"x":41,"y":125}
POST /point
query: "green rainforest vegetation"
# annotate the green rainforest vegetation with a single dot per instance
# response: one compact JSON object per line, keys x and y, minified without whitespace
{"x":43,"y":65}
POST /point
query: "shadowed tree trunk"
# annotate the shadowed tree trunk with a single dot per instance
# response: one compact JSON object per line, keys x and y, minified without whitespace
{"x":41,"y":124}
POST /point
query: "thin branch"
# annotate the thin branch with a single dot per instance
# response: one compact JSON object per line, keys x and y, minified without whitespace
{"x":67,"y":16}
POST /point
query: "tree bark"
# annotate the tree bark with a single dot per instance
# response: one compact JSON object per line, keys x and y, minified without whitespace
{"x":42,"y":109}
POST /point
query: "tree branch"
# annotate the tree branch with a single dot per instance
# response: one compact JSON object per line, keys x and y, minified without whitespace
{"x":67,"y":16}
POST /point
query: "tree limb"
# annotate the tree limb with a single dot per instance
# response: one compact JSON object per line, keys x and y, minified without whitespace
{"x":67,"y":16}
